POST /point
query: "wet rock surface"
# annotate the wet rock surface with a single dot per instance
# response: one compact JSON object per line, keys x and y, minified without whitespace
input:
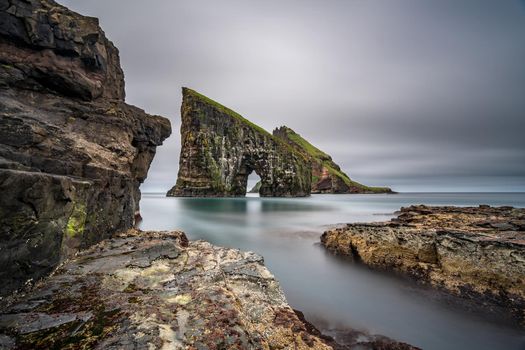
{"x":327,"y":176}
{"x":220,"y":149}
{"x":477,"y":253}
{"x":72,"y":152}
{"x":156,"y":290}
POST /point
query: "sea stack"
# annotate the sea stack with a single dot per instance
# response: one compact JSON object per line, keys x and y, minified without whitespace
{"x":220,"y":149}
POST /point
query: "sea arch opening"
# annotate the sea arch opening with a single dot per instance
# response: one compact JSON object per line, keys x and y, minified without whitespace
{"x":253,"y":185}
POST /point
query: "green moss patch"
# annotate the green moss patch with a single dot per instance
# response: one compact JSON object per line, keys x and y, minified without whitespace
{"x":77,"y":220}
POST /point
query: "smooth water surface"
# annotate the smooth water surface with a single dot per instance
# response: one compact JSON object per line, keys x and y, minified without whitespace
{"x":329,"y":289}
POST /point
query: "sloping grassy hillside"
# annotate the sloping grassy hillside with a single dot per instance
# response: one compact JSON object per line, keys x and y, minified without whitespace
{"x":322,"y":161}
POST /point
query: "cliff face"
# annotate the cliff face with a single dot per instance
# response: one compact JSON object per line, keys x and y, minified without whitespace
{"x":474,"y":252}
{"x":72,"y":152}
{"x":327,"y":176}
{"x":45,"y":47}
{"x":220,"y":149}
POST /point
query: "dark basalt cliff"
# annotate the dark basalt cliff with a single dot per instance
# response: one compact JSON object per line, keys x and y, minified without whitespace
{"x":72,"y":152}
{"x":220,"y":149}
{"x":327,"y":176}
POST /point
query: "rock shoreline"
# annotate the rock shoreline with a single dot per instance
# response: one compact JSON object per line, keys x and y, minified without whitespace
{"x":157,"y":290}
{"x":72,"y":157}
{"x":477,"y":253}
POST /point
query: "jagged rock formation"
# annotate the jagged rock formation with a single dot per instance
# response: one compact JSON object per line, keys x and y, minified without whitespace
{"x":327,"y":176}
{"x":220,"y":149}
{"x":473,"y":252}
{"x":156,"y":290}
{"x":72,"y":152}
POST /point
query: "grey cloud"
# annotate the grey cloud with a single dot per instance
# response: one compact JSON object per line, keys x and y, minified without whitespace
{"x":414,"y":94}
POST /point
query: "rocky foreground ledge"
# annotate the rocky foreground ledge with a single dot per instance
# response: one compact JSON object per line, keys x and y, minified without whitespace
{"x":156,"y":290}
{"x":473,"y":252}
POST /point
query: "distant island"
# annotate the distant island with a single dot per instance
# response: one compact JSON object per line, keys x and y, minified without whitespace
{"x":220,"y":149}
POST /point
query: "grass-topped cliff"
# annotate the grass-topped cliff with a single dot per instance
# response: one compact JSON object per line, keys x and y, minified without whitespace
{"x":220,"y":148}
{"x":231,"y":113}
{"x":223,"y":109}
{"x":327,"y":176}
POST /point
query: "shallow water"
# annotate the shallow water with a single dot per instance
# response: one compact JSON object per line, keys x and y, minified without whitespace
{"x":328,"y":289}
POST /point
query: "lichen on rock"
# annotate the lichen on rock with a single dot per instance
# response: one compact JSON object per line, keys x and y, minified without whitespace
{"x":77,"y":221}
{"x":157,"y":290}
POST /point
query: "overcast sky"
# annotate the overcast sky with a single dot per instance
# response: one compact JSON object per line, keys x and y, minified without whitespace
{"x":418,"y":95}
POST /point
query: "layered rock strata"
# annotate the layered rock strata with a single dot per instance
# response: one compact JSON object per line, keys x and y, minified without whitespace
{"x":473,"y":252}
{"x":327,"y":176}
{"x":72,"y":152}
{"x":220,"y":149}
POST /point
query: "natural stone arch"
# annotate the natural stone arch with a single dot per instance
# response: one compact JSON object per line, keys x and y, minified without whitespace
{"x":247,"y":167}
{"x":220,"y":149}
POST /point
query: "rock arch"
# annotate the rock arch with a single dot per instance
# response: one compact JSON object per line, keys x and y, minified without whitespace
{"x":220,"y":149}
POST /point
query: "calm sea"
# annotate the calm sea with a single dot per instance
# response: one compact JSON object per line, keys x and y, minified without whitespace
{"x":330,"y":291}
